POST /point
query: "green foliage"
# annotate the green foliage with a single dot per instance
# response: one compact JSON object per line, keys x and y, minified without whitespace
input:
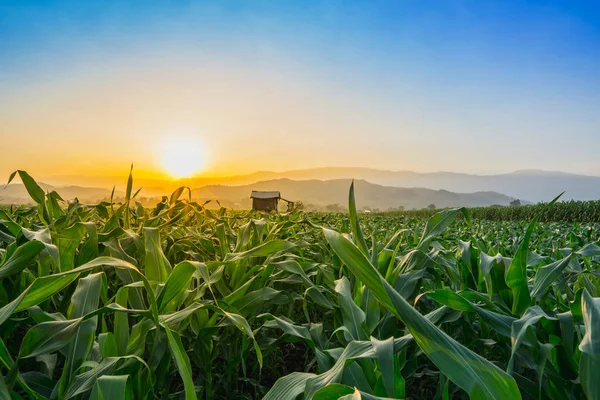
{"x":564,"y":211}
{"x":178,"y":301}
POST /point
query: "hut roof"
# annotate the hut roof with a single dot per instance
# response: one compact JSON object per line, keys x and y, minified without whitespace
{"x":264,"y":195}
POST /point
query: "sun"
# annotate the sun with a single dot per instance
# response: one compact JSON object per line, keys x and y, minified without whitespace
{"x":182,"y":158}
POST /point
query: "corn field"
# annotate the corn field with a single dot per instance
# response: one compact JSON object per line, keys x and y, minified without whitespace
{"x":118,"y":301}
{"x":564,"y":211}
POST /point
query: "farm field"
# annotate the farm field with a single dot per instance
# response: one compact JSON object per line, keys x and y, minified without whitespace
{"x":177,"y":301}
{"x":566,"y":211}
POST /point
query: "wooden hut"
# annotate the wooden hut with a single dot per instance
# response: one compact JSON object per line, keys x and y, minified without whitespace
{"x":266,"y":201}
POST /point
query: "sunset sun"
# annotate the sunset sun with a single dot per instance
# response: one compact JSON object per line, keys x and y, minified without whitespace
{"x":182,"y":158}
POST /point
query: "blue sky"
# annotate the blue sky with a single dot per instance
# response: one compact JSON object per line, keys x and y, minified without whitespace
{"x":467,"y":86}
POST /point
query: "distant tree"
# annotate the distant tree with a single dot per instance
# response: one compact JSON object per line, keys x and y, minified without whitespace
{"x":515,"y":203}
{"x":295,"y":206}
{"x":312,"y":207}
{"x":334,"y":208}
{"x":431,"y":207}
{"x":399,"y":208}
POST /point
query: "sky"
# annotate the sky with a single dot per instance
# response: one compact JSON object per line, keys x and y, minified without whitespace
{"x":465,"y":86}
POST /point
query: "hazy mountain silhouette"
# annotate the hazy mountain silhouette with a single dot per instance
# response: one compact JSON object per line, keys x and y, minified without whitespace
{"x":324,"y":186}
{"x":317,"y":193}
{"x":530,"y":185}
{"x":16,"y":193}
{"x":368,"y":195}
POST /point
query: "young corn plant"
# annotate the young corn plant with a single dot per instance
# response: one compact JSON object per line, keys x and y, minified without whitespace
{"x":115,"y":300}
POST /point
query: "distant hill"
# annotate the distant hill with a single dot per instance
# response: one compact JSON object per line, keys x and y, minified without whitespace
{"x":16,"y":193}
{"x":529,"y":185}
{"x":316,"y":193}
{"x":368,"y":195}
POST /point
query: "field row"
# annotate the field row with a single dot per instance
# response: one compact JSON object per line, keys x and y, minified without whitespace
{"x":565,"y":211}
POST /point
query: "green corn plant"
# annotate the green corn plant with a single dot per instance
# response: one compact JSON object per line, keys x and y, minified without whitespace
{"x":192,"y":300}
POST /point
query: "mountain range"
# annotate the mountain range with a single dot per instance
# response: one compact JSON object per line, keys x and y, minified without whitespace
{"x":319,"y":194}
{"x":315,"y":194}
{"x":527,"y":185}
{"x":16,"y":193}
{"x":325,"y":186}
